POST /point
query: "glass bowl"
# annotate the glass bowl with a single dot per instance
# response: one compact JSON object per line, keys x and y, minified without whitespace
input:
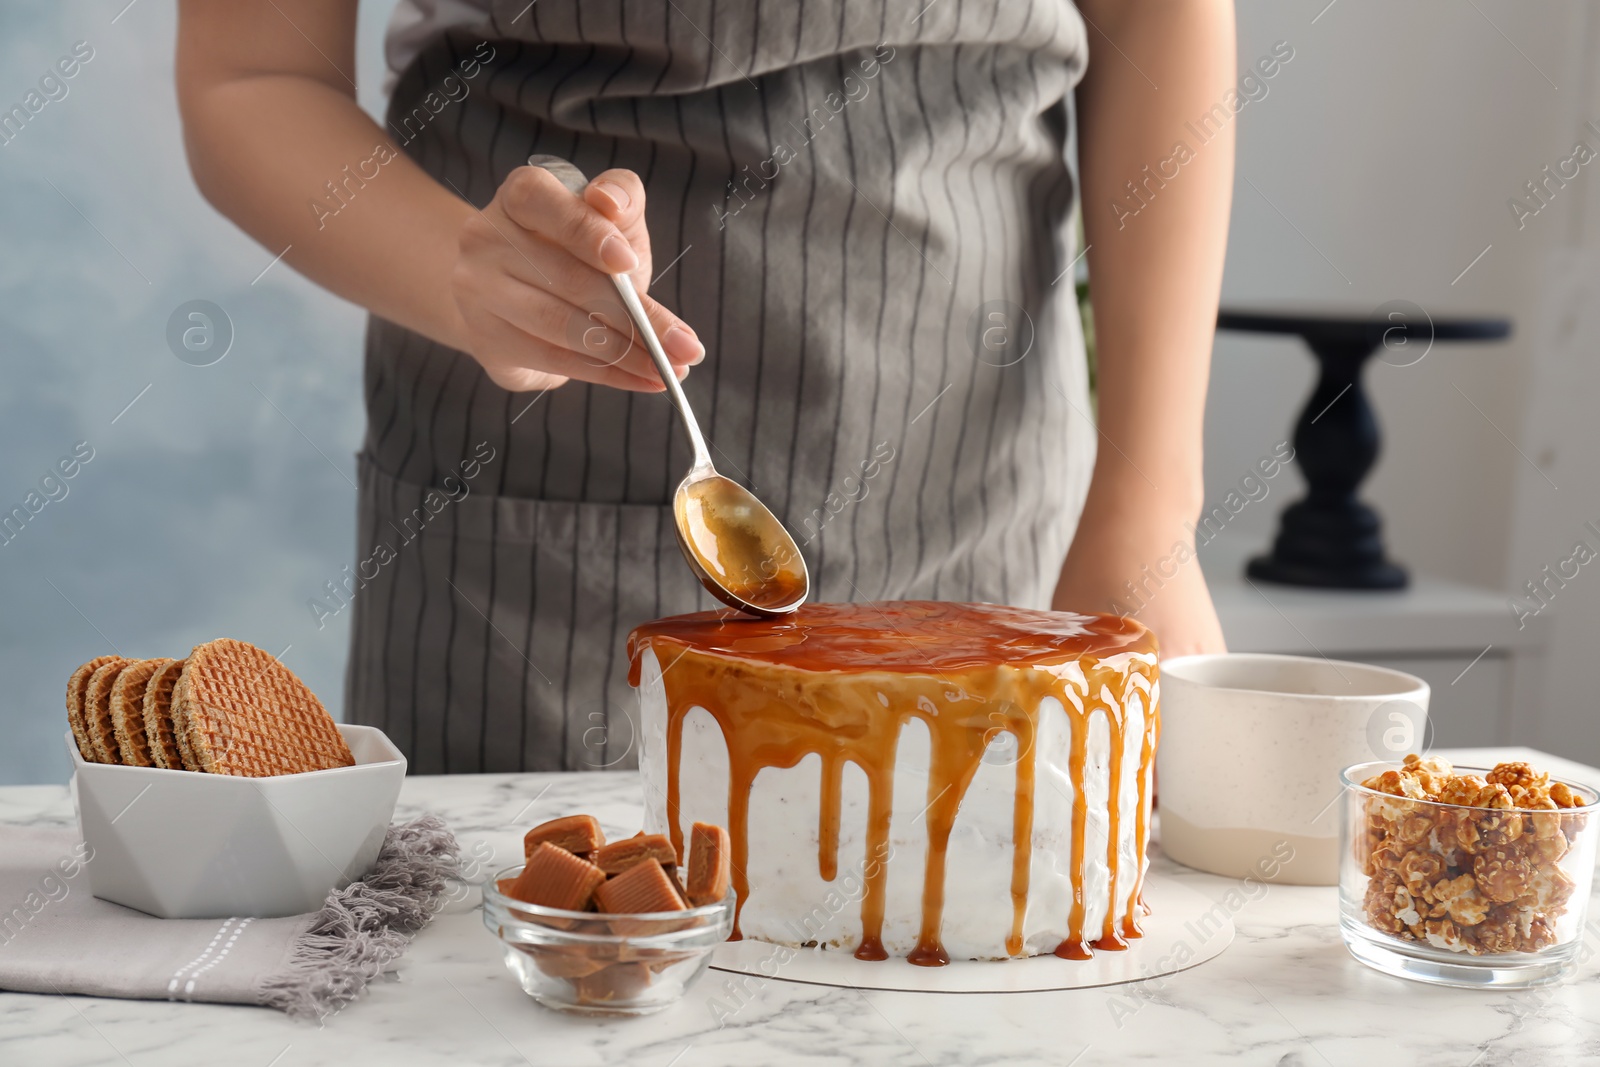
{"x":580,"y":961}
{"x":1459,"y":895}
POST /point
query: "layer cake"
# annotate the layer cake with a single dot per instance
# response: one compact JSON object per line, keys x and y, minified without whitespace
{"x":922,"y":779}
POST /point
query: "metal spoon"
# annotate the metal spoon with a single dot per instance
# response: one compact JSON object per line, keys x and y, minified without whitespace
{"x":736,"y":547}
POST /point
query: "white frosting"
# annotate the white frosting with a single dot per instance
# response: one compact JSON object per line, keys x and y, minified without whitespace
{"x":789,"y":901}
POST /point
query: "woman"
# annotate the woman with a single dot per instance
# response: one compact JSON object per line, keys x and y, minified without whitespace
{"x":854,"y":221}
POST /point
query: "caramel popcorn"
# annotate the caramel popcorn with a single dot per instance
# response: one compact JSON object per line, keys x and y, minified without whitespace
{"x":1390,"y":908}
{"x":1501,"y":875}
{"x":1564,"y":797}
{"x":1512,"y":929}
{"x":1420,"y":870}
{"x":1480,"y":877}
{"x":1471,"y":791}
{"x":1442,"y":933}
{"x":1493,"y":829}
{"x":1512,"y":775}
{"x":1459,"y":898}
{"x":1430,"y":772}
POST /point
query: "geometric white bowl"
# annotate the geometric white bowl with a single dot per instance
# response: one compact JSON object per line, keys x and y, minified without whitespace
{"x":182,"y":845}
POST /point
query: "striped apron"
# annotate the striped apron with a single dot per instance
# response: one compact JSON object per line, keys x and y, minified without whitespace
{"x":862,"y":208}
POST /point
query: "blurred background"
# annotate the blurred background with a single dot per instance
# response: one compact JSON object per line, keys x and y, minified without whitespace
{"x":1381,"y":163}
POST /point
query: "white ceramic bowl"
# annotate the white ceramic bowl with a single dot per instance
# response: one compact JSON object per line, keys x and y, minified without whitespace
{"x":1251,"y":749}
{"x":182,"y":845}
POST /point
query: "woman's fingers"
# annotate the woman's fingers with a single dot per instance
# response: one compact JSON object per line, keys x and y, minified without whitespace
{"x":679,"y":342}
{"x":574,"y":342}
{"x":619,"y":196}
{"x":581,"y":336}
{"x":544,"y":267}
{"x":534,"y":285}
{"x":518,"y":361}
{"x":536,"y":201}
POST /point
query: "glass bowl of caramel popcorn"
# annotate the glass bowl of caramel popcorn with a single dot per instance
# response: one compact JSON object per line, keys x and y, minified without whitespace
{"x":1465,"y":876}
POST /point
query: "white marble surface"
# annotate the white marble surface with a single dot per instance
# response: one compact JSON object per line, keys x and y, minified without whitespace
{"x":1285,"y":992}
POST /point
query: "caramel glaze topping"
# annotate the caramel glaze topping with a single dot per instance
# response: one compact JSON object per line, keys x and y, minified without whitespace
{"x":817,"y":681}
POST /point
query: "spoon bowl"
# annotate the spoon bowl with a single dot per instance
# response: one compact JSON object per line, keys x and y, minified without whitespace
{"x":736,"y":547}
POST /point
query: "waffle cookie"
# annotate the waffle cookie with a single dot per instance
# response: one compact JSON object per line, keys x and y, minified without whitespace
{"x":127,"y":711}
{"x":186,"y":758}
{"x":237,"y":710}
{"x":157,"y":711}
{"x":97,"y":710}
{"x":75,"y":687}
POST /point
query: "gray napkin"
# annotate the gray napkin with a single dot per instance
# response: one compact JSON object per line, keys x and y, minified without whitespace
{"x":57,"y":938}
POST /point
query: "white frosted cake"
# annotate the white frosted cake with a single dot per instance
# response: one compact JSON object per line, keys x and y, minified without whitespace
{"x":929,"y":780}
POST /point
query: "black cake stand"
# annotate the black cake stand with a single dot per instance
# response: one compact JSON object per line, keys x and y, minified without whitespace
{"x":1330,"y":539}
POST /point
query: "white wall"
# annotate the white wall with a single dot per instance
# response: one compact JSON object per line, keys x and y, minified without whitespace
{"x":1558,"y":506}
{"x":1388,"y":148}
{"x":1392,"y":141}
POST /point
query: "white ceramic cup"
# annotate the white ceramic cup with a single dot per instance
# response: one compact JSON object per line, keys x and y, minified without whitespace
{"x":1251,"y":750}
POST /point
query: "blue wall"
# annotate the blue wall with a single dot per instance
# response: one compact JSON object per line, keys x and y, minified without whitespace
{"x":204,"y":512}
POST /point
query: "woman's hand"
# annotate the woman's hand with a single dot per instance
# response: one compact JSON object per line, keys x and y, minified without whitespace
{"x":533,"y":285}
{"x":1155,"y":272}
{"x":521,"y":285}
{"x":1123,"y":563}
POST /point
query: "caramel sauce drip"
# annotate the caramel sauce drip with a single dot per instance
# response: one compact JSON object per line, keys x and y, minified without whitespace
{"x":1152,"y":737}
{"x":842,"y":680}
{"x":1022,"y":830}
{"x":1073,"y":947}
{"x":1110,"y":938}
{"x":828,"y":831}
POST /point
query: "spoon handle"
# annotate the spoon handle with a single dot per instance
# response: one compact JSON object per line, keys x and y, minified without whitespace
{"x":641,"y":322}
{"x":573,"y":179}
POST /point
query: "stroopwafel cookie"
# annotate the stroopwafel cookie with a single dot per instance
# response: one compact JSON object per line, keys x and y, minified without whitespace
{"x":159,"y":735}
{"x":127,"y":711}
{"x":75,"y":687}
{"x":241,"y":712}
{"x":97,"y":710}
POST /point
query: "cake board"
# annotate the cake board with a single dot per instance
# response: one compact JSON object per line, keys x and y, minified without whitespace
{"x":1184,"y":929}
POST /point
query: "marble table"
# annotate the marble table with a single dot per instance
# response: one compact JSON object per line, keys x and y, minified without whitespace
{"x":1285,"y":992}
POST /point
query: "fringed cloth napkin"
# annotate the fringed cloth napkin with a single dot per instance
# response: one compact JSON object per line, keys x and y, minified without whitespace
{"x":57,"y":938}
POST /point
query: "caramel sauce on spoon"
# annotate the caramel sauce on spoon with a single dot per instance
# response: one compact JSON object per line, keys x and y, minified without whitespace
{"x":734,"y":540}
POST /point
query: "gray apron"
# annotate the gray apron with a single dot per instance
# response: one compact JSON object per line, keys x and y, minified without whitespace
{"x":862,"y":209}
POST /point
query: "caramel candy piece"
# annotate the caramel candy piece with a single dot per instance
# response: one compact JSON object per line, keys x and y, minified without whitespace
{"x":644,"y":887}
{"x":665,"y":960}
{"x":710,"y":864}
{"x":555,"y":878}
{"x":575,"y":833}
{"x":619,"y":981}
{"x":675,"y":876}
{"x":564,"y":961}
{"x":620,"y":855}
